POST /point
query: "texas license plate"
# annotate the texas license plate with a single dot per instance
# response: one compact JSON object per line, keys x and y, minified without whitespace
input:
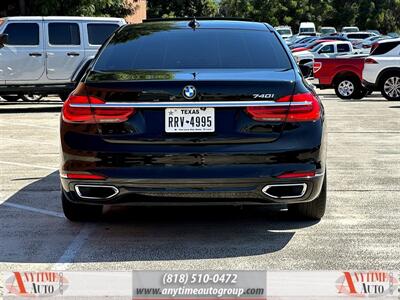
{"x":189,"y":120}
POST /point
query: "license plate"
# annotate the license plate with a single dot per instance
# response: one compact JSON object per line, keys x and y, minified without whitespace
{"x":189,"y":120}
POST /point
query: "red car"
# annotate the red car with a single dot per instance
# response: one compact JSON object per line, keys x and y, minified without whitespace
{"x":342,"y":74}
{"x":309,"y":47}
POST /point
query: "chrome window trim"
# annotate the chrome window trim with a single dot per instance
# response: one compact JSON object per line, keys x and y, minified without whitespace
{"x":191,"y":104}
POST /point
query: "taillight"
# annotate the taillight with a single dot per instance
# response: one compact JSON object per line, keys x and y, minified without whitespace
{"x":317,"y":66}
{"x":303,"y":107}
{"x":289,"y":175}
{"x":373,"y":47}
{"x":85,"y":176}
{"x":88,"y":114}
{"x":370,"y":61}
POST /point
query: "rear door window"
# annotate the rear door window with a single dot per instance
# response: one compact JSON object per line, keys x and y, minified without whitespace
{"x":64,"y":34}
{"x":22,"y":34}
{"x":341,"y":48}
{"x":168,"y":48}
{"x":327,"y":49}
{"x":384,"y":48}
{"x":98,"y":33}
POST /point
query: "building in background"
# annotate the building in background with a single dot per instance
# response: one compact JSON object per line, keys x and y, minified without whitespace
{"x":140,"y":12}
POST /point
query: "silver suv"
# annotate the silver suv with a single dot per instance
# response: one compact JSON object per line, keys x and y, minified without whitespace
{"x":47,"y":55}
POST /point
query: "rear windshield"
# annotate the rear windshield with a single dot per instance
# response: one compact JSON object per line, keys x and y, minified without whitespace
{"x":358,"y":35}
{"x":164,"y":48}
{"x":284,"y":31}
{"x":384,"y":48}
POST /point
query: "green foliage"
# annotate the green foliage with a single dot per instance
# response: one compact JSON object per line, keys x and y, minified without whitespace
{"x":383,"y":15}
{"x":181,"y":8}
{"x":115,"y":8}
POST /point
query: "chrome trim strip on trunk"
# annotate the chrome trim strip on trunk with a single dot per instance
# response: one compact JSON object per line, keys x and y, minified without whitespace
{"x":203,"y":104}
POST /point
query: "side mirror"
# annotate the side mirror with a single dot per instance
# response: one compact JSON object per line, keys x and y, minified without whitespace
{"x":306,"y":70}
{"x":3,"y":39}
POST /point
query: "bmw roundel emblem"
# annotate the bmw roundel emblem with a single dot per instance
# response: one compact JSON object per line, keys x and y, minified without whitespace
{"x":189,"y":92}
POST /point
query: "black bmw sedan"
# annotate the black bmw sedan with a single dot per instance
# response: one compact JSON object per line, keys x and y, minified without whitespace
{"x":199,"y":112}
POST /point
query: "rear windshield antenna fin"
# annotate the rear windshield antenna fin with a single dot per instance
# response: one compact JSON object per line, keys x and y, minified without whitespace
{"x":194,"y":23}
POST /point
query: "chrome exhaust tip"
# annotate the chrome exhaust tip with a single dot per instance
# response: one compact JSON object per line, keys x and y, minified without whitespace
{"x":285,"y":191}
{"x":96,"y":192}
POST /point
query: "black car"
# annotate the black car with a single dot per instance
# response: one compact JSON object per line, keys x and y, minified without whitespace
{"x":199,"y":112}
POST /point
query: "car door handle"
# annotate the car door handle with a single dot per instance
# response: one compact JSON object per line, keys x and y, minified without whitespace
{"x":73,"y":54}
{"x":35,"y":54}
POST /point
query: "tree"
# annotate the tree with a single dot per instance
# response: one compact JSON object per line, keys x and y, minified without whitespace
{"x":181,"y":8}
{"x":382,"y":15}
{"x":116,"y":8}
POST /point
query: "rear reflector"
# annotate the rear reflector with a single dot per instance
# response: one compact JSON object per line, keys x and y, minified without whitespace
{"x":85,"y":176}
{"x":72,"y":114}
{"x":303,"y":107}
{"x":370,"y":61}
{"x":296,"y":175}
{"x":317,"y":66}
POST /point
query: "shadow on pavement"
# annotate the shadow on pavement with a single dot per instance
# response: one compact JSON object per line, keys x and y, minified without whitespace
{"x":138,"y":233}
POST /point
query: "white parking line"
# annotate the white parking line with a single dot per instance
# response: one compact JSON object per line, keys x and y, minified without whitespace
{"x":29,"y":141}
{"x":66,"y":260}
{"x":28,"y":124}
{"x":27,"y":165}
{"x":33,"y":209}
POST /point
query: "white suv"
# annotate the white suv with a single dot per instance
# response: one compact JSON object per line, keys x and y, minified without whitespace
{"x":47,"y":55}
{"x":382,"y":69}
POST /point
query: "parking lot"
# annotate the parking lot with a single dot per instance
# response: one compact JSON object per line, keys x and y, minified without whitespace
{"x":359,"y":231}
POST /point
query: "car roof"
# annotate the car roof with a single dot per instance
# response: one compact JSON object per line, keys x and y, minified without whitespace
{"x":362,"y":32}
{"x":335,"y":42}
{"x":388,"y":40}
{"x":209,"y":24}
{"x":60,"y":18}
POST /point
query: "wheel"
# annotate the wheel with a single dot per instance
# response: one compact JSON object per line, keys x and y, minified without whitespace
{"x":390,"y":87}
{"x":63,"y":96}
{"x":346,"y":87}
{"x":76,"y":212}
{"x":313,"y":210}
{"x":31,"y":97}
{"x":10,"y":97}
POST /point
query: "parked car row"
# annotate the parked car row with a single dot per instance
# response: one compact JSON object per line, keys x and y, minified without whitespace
{"x":354,"y":77}
{"x":48,"y":55}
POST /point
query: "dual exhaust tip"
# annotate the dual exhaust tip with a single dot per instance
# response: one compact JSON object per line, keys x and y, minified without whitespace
{"x":275,"y":191}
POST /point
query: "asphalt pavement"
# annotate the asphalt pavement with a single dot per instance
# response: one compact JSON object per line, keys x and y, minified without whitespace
{"x":360,"y":229}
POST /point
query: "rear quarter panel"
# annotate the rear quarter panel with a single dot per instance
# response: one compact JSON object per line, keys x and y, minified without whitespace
{"x":332,"y":67}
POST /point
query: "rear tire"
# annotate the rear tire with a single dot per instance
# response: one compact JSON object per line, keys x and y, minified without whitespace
{"x":346,"y":87}
{"x":313,"y":210}
{"x":31,"y":97}
{"x":390,"y":86}
{"x":63,"y":96}
{"x":11,"y":97}
{"x":360,"y":93}
{"x":76,"y":212}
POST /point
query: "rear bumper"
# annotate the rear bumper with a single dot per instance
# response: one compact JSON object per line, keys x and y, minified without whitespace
{"x":369,"y":86}
{"x":215,"y":191}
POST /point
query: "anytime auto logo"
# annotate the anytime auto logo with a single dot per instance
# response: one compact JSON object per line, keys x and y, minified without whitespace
{"x":367,"y":284}
{"x":36,"y":284}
